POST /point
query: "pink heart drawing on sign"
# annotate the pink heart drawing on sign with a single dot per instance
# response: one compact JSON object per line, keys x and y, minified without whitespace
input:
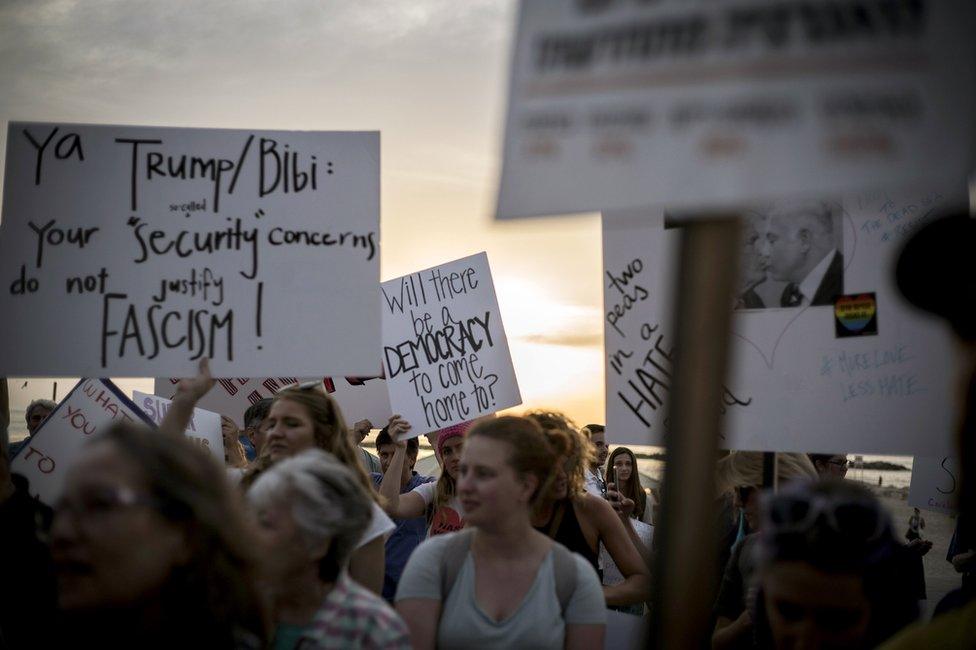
{"x":787,"y":316}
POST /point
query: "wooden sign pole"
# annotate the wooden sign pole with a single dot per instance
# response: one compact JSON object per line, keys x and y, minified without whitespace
{"x":685,"y":571}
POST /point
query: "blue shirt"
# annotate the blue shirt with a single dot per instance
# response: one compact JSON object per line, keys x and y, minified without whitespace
{"x":407,"y":536}
{"x":249,"y":452}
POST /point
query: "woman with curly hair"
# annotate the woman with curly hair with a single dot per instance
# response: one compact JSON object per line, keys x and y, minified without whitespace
{"x":580,"y":521}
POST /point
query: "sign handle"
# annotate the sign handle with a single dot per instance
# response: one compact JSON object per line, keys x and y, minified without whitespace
{"x":684,"y":574}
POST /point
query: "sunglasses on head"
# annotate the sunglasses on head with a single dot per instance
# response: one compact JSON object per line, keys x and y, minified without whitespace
{"x":304,"y":385}
{"x":799,"y":511}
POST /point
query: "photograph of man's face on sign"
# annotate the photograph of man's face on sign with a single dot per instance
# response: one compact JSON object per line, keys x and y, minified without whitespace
{"x":792,"y":255}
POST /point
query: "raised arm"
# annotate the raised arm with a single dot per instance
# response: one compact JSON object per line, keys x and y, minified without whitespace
{"x":188,"y":393}
{"x":408,"y":505}
{"x":636,"y":586}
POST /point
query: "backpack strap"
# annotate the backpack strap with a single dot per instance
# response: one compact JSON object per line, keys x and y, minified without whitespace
{"x":564,"y":571}
{"x":455,"y":552}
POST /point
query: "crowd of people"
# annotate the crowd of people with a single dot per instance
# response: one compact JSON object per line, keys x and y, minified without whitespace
{"x":534,"y":533}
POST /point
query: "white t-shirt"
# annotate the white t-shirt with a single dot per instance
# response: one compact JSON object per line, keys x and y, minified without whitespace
{"x":537,"y":623}
{"x":446,"y":519}
{"x":380,"y":524}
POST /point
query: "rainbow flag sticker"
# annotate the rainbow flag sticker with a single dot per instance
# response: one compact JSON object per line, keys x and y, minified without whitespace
{"x":856,"y":315}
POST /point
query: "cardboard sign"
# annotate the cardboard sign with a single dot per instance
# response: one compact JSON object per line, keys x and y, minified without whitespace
{"x":793,"y":385}
{"x":158,"y":246}
{"x":935,"y":484}
{"x":444,"y":346}
{"x":204,"y":427}
{"x":359,"y":398}
{"x":92,"y":405}
{"x":694,"y":104}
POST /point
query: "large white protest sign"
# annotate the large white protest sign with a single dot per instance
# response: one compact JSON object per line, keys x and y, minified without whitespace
{"x":798,"y":380}
{"x":359,"y":398}
{"x":203,"y":429}
{"x":136,"y":251}
{"x":92,"y":405}
{"x":935,"y":484}
{"x":695,"y":103}
{"x":444,"y":346}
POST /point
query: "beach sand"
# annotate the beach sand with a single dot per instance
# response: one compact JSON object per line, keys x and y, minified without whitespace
{"x":940,"y":577}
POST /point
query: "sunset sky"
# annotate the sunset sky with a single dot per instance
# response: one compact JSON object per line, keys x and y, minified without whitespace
{"x":430,"y":75}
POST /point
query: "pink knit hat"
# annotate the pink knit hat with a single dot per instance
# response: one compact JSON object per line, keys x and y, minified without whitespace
{"x":453,"y":431}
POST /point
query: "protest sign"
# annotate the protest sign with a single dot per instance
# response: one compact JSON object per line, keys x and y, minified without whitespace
{"x":935,"y":484}
{"x":203,"y":429}
{"x":92,"y":405}
{"x":444,"y":346}
{"x":135,"y":251}
{"x":359,"y":398}
{"x":696,"y":104}
{"x":794,"y":383}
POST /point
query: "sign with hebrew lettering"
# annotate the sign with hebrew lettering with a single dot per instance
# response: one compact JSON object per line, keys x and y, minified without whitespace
{"x":621,"y":104}
{"x":90,"y":407}
{"x":935,"y":484}
{"x":203,"y":429}
{"x":135,"y":251}
{"x":359,"y":398}
{"x":793,"y":383}
{"x":444,"y":346}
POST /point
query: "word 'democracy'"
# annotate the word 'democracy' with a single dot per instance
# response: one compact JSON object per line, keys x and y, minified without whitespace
{"x":90,"y":407}
{"x":691,"y":103}
{"x":444,"y":347}
{"x":139,"y":250}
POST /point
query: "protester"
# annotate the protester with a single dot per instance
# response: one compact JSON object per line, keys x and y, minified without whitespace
{"x":37,"y":411}
{"x":578,"y":520}
{"x":301,"y":417}
{"x":312,"y":511}
{"x":936,"y":273}
{"x":499,"y":583}
{"x":828,"y":570}
{"x":409,"y":532}
{"x":596,"y":482}
{"x":152,"y":548}
{"x":623,"y":476}
{"x":742,"y":473}
{"x":438,"y":501}
{"x":358,"y":433}
{"x":962,"y":556}
{"x":235,"y":453}
{"x":916,"y":524}
{"x":27,"y":589}
{"x":256,"y":425}
{"x":830,"y":465}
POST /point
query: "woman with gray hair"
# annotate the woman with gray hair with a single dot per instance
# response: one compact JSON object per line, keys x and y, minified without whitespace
{"x":312,"y":512}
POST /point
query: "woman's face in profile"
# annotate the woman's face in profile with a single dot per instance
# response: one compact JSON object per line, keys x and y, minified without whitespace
{"x":110,"y":545}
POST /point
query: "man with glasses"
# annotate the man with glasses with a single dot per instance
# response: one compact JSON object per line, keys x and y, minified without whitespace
{"x":830,"y":465}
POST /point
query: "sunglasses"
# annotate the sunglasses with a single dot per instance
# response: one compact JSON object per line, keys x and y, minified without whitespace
{"x":860,"y":520}
{"x":304,"y":385}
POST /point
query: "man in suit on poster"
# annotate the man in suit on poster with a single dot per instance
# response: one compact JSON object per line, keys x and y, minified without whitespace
{"x":802,"y":246}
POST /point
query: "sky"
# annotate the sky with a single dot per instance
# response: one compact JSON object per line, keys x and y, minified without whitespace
{"x":430,"y":75}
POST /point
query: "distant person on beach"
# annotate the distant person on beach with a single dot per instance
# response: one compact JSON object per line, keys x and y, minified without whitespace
{"x":916,"y":524}
{"x":596,"y":482}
